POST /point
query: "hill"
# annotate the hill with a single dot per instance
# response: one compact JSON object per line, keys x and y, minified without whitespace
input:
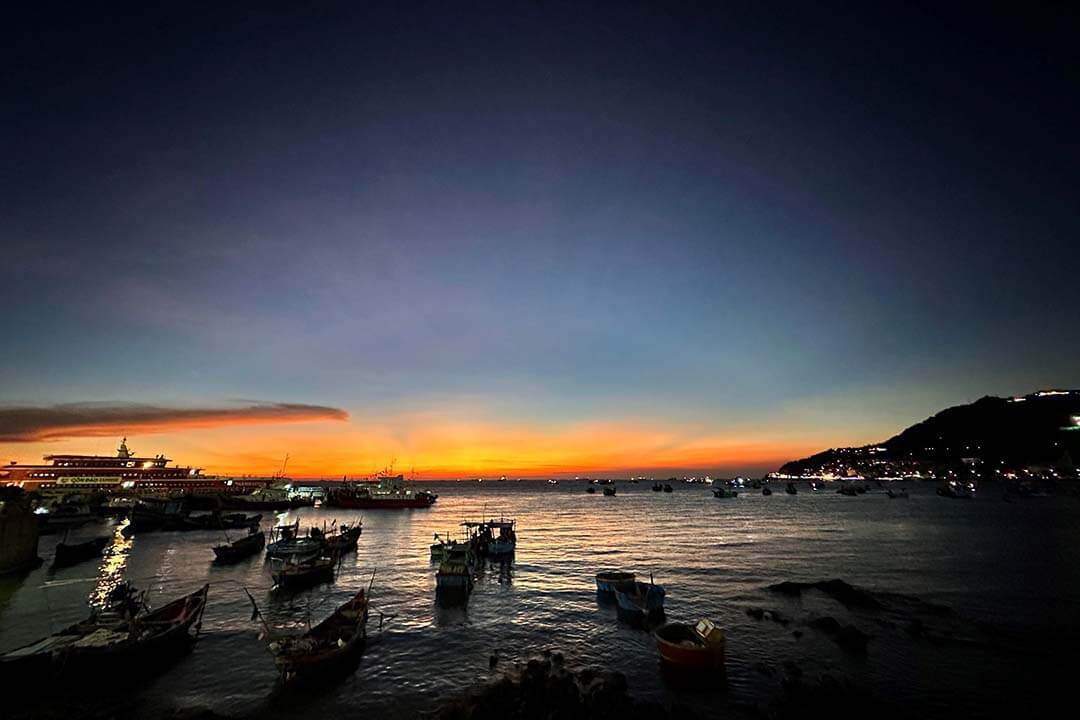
{"x":1039,"y":432}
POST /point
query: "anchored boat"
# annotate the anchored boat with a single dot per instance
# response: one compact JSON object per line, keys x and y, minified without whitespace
{"x":125,"y":637}
{"x":328,"y":647}
{"x":67,"y":555}
{"x":390,"y":493}
{"x":303,"y":572}
{"x":640,"y":603}
{"x":607,"y":580}
{"x":236,"y":550}
{"x":691,"y":647}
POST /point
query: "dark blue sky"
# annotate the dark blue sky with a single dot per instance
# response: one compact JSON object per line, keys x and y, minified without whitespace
{"x":769,"y":222}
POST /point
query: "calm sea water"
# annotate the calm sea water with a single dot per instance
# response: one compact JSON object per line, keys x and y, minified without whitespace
{"x":1010,"y":573}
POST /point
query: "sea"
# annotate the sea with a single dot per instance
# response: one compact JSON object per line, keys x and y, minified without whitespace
{"x":973,"y":609}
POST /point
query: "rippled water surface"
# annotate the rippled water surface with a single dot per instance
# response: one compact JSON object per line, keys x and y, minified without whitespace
{"x":1007,"y":574}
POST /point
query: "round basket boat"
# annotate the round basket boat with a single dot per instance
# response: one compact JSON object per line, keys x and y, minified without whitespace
{"x":696,"y":647}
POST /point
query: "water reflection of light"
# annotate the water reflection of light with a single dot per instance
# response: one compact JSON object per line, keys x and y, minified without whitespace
{"x":113,"y":565}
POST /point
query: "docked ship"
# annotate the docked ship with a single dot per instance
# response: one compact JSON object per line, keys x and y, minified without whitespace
{"x":125,"y":473}
{"x":390,"y":493}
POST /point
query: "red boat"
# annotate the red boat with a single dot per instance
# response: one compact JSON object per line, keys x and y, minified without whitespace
{"x":698,"y":647}
{"x":391,"y":493}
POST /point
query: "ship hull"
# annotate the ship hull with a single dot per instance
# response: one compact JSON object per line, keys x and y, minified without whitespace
{"x":362,"y":503}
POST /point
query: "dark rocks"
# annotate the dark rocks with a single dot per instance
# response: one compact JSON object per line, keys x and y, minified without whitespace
{"x":763,"y":614}
{"x":848,"y":637}
{"x":845,"y":594}
{"x":544,"y":690}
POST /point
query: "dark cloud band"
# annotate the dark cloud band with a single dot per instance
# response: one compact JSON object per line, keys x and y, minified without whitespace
{"x":28,"y":424}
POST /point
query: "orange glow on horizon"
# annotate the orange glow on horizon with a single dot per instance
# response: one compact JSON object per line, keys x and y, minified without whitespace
{"x":439,"y":447}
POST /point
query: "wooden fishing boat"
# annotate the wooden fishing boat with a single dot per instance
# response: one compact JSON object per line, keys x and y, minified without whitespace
{"x":303,"y":572}
{"x":492,"y":538}
{"x":286,"y":542}
{"x":766,"y":490}
{"x":326,"y":648}
{"x":657,"y":487}
{"x":68,"y":555}
{"x":640,"y":603}
{"x":691,"y":647}
{"x":453,"y":579}
{"x":790,"y":489}
{"x":344,"y":540}
{"x":609,"y":490}
{"x":236,"y":550}
{"x":723,"y":492}
{"x":216,"y":520}
{"x":126,"y":638}
{"x":590,"y":489}
{"x":608,"y":579}
{"x":444,"y":547}
{"x":667,"y":487}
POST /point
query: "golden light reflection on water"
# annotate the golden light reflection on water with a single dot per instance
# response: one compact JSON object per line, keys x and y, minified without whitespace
{"x":113,"y":565}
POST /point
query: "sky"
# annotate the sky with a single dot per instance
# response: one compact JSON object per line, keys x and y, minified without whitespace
{"x":529,"y":238}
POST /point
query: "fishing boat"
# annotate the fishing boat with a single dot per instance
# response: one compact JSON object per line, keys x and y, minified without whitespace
{"x":276,"y":499}
{"x":390,"y":493}
{"x":236,"y":550}
{"x":668,"y":488}
{"x":723,"y":492}
{"x":68,"y":555}
{"x":444,"y":546}
{"x":790,"y":489}
{"x":303,"y":572}
{"x":453,"y":579}
{"x":492,"y":538}
{"x":609,"y":490}
{"x":691,"y":647}
{"x":124,"y":638}
{"x":286,"y":542}
{"x":640,"y":603}
{"x":590,"y":489}
{"x":657,"y":487}
{"x":848,"y":490}
{"x":327,"y":648}
{"x":216,"y":520}
{"x":342,"y":540}
{"x":608,"y":579}
{"x":766,"y":490}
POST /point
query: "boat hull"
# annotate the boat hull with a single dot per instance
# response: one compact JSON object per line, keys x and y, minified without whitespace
{"x":679,"y":647}
{"x":369,"y":503}
{"x":640,"y":603}
{"x":606,"y":583}
{"x":243,"y":548}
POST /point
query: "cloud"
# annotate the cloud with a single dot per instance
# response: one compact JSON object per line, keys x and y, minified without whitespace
{"x":30,"y":424}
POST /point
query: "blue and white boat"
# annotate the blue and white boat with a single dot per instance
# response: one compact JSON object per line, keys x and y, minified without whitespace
{"x":607,"y":580}
{"x":640,"y":603}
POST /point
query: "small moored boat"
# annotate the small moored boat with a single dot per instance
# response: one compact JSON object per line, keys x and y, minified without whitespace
{"x":609,"y":490}
{"x":766,"y":490}
{"x":691,"y":647}
{"x":297,"y":573}
{"x":67,"y":555}
{"x":236,"y":550}
{"x":286,"y":542}
{"x":790,"y":489}
{"x":723,"y":492}
{"x":608,"y":579}
{"x":325,"y":648}
{"x":640,"y":603}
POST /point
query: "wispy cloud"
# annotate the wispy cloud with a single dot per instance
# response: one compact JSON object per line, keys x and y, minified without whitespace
{"x":92,"y":419}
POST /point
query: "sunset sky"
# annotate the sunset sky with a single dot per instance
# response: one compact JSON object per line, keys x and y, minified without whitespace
{"x":486,"y":242}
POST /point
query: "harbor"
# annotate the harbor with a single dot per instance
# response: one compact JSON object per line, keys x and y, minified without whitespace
{"x":715,"y":560}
